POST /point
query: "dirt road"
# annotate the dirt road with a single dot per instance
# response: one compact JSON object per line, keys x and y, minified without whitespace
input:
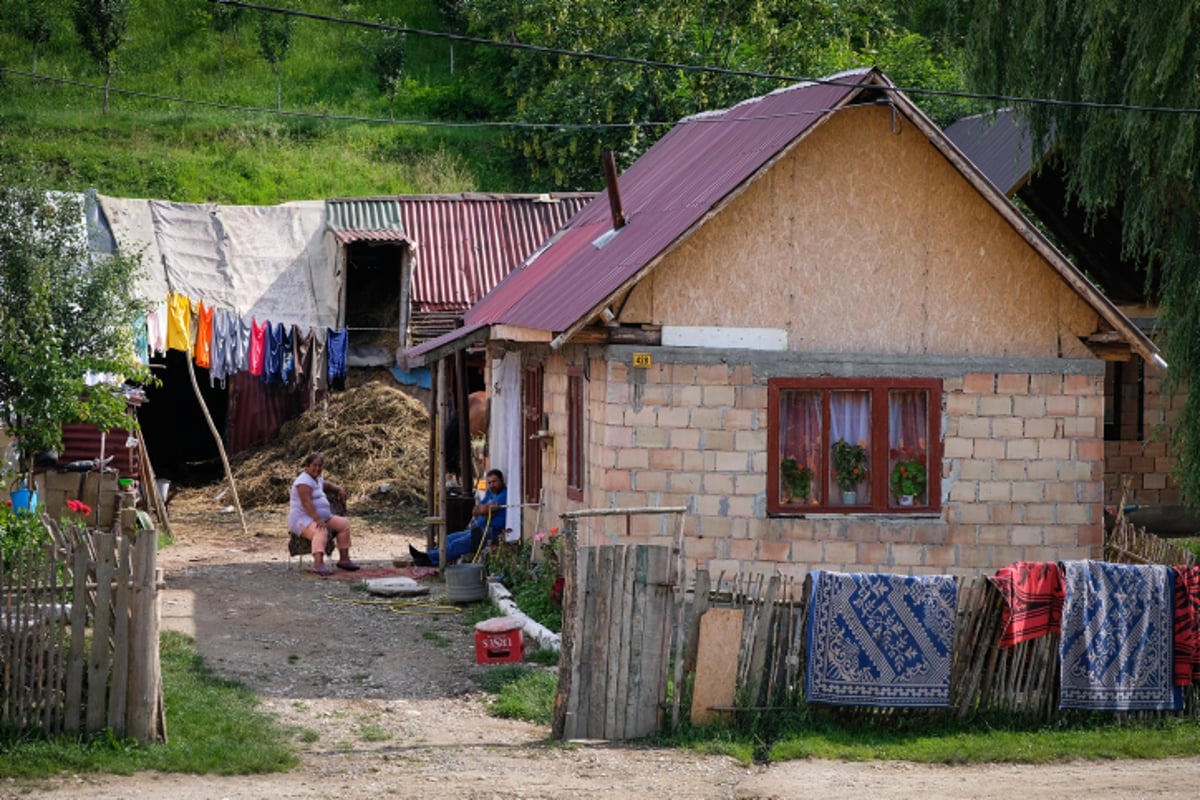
{"x":392,"y":706}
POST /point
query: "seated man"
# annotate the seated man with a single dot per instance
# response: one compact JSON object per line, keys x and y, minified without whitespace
{"x":488,"y":521}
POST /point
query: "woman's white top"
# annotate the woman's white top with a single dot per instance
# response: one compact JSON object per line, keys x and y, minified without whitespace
{"x":298,"y":518}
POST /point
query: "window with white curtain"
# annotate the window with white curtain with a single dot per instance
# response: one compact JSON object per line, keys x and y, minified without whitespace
{"x":853,"y":446}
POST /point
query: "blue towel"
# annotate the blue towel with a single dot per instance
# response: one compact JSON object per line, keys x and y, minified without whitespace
{"x":337,"y":344}
{"x":880,"y":640}
{"x":1117,"y":645}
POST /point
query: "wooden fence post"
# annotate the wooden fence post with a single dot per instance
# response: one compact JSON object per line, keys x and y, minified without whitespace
{"x":145,"y":676}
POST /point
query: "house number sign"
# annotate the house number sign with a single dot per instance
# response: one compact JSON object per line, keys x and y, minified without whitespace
{"x":642,"y":360}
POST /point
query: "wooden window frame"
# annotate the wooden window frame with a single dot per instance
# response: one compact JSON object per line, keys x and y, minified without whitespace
{"x":575,"y":465}
{"x":878,"y":447}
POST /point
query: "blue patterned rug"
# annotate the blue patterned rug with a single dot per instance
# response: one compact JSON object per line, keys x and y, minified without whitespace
{"x":880,"y":640}
{"x":1116,"y":650}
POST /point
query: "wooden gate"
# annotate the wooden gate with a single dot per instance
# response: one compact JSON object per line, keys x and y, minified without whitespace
{"x":618,"y":616}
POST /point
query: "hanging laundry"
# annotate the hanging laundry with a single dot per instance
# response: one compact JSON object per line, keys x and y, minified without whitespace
{"x":302,"y":348}
{"x":204,"y":335}
{"x":179,"y":322}
{"x":1117,"y":632}
{"x":141,"y":340}
{"x":156,"y":329}
{"x":193,"y":326}
{"x":287,"y":356}
{"x":337,"y":344}
{"x":273,"y":353}
{"x":320,"y":364}
{"x":242,"y":357}
{"x":1187,"y":625}
{"x":258,"y":346}
{"x":218,"y":366}
{"x":880,"y":640}
{"x":1033,"y":599}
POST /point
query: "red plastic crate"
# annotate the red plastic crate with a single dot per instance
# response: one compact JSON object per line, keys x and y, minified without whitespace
{"x":498,"y":641}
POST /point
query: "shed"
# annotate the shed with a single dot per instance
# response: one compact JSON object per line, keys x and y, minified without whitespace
{"x":812,"y":266}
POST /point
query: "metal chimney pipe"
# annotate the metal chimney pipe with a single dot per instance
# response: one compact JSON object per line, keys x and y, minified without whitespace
{"x":614,"y":191}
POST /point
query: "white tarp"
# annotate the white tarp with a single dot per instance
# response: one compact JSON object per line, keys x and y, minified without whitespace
{"x":267,"y":262}
{"x":505,"y":434}
{"x":133,"y":230}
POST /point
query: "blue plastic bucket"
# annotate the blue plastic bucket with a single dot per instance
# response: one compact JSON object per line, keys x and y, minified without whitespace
{"x":24,"y":500}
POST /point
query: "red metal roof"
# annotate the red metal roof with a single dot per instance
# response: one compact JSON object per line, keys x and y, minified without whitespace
{"x":679,"y":180}
{"x":464,"y":244}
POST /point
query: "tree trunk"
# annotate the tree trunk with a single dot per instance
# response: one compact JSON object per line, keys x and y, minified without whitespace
{"x":107,"y":84}
{"x":278,"y":91}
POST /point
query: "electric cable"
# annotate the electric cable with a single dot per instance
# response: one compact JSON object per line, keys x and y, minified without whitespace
{"x":725,"y":71}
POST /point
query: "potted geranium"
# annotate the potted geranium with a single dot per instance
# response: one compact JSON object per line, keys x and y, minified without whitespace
{"x":908,"y":480}
{"x":849,"y":469}
{"x":797,"y":479}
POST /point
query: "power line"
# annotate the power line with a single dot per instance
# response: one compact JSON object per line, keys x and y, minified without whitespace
{"x":608,"y":57}
{"x":412,"y":123}
{"x":331,"y":117}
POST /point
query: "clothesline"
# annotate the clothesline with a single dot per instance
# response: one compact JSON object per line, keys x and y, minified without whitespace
{"x":224,"y":343}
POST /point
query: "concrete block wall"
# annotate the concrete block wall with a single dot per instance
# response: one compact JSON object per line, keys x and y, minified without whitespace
{"x":1021,"y":472}
{"x":1146,"y":463}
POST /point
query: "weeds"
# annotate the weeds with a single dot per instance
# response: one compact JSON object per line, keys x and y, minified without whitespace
{"x":521,"y":693}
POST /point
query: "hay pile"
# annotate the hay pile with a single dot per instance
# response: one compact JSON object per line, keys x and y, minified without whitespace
{"x":375,"y":440}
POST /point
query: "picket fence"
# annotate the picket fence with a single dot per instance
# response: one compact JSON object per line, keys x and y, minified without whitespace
{"x":79,"y":635}
{"x":614,"y":672}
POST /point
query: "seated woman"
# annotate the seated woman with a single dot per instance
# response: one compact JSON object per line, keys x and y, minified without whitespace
{"x":488,"y":521}
{"x":309,"y":515}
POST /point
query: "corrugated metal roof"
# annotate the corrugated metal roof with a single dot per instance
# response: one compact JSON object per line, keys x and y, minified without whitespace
{"x":369,"y":219}
{"x":464,"y":244}
{"x":1001,"y":145}
{"x":683,"y":177}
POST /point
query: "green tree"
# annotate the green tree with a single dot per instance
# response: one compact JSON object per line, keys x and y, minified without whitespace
{"x":224,"y":20}
{"x":65,"y":312}
{"x":765,"y":36}
{"x":1145,"y":54}
{"x":102,"y":25}
{"x":389,"y":53}
{"x":274,"y":41}
{"x":32,"y":20}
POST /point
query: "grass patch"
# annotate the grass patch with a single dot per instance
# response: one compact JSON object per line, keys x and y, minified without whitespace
{"x":478,"y":612}
{"x":214,"y":726}
{"x":373,"y":733}
{"x":803,"y":734}
{"x":543,"y":656}
{"x":521,"y":693}
{"x":435,"y":637}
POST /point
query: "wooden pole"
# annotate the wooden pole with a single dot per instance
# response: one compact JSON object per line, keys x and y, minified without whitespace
{"x":439,"y":472}
{"x":217,"y":438}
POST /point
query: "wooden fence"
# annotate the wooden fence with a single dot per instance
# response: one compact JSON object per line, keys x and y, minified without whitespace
{"x":739,"y":645}
{"x":79,"y":636}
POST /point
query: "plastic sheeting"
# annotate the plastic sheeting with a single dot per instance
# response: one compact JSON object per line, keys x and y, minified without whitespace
{"x":268,"y":262}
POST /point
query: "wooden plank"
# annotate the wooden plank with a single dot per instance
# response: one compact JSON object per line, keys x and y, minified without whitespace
{"x":720,"y":631}
{"x":576,"y":726}
{"x":699,"y":606}
{"x":567,"y":646}
{"x":637,"y":597}
{"x":655,"y":640}
{"x":598,"y":637}
{"x":118,"y":691}
{"x":142,"y":722}
{"x":100,"y":657}
{"x":74,"y":699}
{"x":56,"y":675}
{"x":618,"y":632}
{"x":762,"y":633}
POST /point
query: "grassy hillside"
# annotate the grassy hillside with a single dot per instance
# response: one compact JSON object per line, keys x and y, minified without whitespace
{"x":148,"y":146}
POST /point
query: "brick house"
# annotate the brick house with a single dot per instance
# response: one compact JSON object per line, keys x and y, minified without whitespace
{"x":814,"y":272}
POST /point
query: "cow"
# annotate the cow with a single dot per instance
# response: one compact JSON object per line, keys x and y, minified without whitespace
{"x":477,"y":422}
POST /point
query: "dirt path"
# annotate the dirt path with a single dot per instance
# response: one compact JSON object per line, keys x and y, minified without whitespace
{"x":392,"y":709}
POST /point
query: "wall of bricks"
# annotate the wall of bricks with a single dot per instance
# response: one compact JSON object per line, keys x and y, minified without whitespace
{"x":1021,"y":472}
{"x":1144,"y":462}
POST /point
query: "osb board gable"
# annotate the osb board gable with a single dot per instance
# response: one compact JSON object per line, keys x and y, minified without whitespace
{"x":867,"y":240}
